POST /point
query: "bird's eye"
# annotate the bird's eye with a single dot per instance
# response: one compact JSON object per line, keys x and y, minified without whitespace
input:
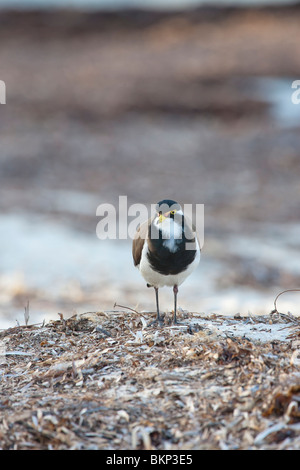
{"x":172,"y":212}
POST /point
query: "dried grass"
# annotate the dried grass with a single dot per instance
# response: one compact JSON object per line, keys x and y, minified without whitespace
{"x":102,"y":380}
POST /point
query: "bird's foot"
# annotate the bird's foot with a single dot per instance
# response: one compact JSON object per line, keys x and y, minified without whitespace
{"x":179,"y":323}
{"x":186,"y":325}
{"x":159,"y":321}
{"x":176,"y":322}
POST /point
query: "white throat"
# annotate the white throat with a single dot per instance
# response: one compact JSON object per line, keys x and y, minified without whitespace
{"x":171,"y":233}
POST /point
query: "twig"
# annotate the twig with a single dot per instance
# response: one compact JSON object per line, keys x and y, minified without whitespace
{"x":16,"y":329}
{"x":123,"y":306}
{"x":26,"y":313}
{"x":291,"y":318}
{"x":283,"y":292}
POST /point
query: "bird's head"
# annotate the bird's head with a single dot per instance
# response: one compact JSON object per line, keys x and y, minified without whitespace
{"x":167,"y":208}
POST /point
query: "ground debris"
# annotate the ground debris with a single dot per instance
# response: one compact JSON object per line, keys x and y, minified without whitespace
{"x":104,"y":380}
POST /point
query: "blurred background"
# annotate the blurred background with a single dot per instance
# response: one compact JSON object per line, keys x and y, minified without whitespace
{"x":156,"y":99}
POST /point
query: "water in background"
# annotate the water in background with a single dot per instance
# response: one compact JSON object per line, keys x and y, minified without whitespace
{"x":63,"y":268}
{"x":53,"y":264}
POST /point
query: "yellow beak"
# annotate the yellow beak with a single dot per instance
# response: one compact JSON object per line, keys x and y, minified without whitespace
{"x":162,"y":217}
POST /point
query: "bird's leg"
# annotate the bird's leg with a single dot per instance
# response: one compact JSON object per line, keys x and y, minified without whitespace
{"x":158,"y":319}
{"x":175,"y":290}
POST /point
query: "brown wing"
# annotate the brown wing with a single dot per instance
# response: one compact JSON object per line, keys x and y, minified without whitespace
{"x":138,"y":242}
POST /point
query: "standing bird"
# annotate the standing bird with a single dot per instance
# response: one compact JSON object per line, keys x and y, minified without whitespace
{"x":166,"y":250}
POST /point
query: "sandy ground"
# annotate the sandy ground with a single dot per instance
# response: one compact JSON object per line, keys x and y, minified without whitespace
{"x":105,"y":380}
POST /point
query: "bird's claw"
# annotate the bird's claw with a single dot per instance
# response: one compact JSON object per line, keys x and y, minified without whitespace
{"x":158,"y":321}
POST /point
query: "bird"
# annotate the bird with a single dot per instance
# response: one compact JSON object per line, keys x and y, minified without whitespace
{"x":161,"y":252}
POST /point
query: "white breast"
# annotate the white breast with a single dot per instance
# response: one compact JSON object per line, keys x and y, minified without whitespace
{"x":171,"y":233}
{"x":156,"y":279}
